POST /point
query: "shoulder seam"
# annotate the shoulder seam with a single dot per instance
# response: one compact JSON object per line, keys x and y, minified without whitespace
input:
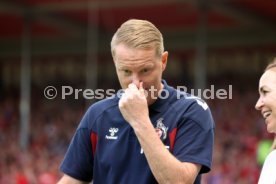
{"x":104,"y":110}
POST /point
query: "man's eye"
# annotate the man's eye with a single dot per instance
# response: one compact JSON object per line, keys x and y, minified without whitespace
{"x":126,"y":71}
{"x":145,"y":70}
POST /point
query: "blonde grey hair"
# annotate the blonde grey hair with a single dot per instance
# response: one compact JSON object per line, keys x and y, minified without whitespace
{"x":140,"y":34}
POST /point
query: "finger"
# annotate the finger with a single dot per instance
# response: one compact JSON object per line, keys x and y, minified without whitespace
{"x":124,"y":98}
{"x":141,"y":85}
{"x":128,"y":95}
{"x":142,"y":91}
{"x":132,"y":86}
{"x":121,"y":103}
{"x":141,"y":88}
{"x":126,"y":90}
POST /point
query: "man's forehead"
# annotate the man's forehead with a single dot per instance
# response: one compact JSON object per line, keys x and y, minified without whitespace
{"x":134,"y":65}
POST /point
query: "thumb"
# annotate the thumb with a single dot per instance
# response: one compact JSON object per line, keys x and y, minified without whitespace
{"x":141,"y":88}
{"x":142,"y":91}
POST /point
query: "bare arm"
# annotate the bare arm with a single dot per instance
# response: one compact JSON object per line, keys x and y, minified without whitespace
{"x":164,"y":166}
{"x":69,"y":180}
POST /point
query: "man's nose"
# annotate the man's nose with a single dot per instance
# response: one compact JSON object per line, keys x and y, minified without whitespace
{"x":259,"y":104}
{"x":136,"y":80}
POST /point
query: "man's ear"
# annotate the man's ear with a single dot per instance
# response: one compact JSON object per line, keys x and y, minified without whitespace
{"x":164,"y":60}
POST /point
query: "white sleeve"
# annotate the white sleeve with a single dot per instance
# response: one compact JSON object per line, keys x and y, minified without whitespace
{"x":268,"y":174}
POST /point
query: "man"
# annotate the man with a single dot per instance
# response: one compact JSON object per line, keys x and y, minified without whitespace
{"x":151,"y":134}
